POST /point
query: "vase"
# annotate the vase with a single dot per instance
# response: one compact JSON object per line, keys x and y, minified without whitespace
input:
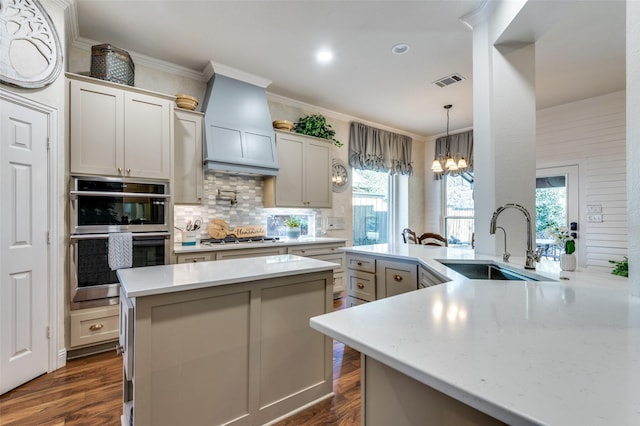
{"x":568,"y":262}
{"x":293,"y":233}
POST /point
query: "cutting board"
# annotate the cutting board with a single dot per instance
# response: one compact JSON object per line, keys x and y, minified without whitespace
{"x":218,"y":228}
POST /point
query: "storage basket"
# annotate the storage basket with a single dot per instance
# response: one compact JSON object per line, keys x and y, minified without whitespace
{"x":112,"y":64}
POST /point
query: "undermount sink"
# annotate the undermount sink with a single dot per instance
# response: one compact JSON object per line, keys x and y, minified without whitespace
{"x":484,"y":270}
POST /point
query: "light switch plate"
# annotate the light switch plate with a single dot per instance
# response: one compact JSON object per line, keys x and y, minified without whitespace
{"x":594,"y":218}
{"x":334,"y":223}
{"x":594,"y":208}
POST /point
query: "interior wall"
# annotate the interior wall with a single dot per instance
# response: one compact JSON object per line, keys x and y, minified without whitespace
{"x":591,"y":134}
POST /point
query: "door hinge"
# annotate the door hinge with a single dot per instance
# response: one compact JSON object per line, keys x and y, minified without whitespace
{"x":48,"y":237}
{"x":48,"y":332}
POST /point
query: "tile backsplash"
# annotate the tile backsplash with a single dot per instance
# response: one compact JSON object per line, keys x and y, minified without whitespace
{"x":248,"y":211}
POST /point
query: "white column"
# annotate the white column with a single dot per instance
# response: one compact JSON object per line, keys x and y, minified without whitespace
{"x":633,"y":143}
{"x":504,"y":131}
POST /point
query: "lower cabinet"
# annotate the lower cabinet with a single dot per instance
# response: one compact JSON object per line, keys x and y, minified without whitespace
{"x":395,"y":277}
{"x":234,"y":354}
{"x":93,"y":326}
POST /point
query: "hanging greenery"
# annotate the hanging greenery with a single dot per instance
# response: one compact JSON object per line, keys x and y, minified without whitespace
{"x":316,"y":125}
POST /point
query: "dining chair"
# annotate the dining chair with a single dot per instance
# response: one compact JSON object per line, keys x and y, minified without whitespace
{"x":409,"y":237}
{"x":432,"y":239}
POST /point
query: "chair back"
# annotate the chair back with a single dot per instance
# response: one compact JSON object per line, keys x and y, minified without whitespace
{"x":409,"y":237}
{"x":432,"y":239}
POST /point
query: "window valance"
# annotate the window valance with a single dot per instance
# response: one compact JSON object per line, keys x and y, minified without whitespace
{"x":460,"y":143}
{"x":379,"y":150}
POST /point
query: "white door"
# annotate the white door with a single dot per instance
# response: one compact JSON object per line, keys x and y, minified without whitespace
{"x":24,"y":300}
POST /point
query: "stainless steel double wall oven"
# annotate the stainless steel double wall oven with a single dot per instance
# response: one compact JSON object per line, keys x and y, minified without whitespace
{"x":100,"y":206}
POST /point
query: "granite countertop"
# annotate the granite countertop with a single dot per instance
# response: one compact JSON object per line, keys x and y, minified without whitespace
{"x":179,"y":248}
{"x":563,"y":352}
{"x":151,"y":280}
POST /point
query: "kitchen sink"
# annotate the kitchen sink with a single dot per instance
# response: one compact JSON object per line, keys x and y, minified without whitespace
{"x":483,"y":270}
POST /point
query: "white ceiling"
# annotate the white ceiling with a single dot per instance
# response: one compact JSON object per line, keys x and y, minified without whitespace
{"x":580,"y":49}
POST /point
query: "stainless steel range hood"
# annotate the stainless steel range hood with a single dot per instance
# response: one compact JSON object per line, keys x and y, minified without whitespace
{"x":239,"y":136}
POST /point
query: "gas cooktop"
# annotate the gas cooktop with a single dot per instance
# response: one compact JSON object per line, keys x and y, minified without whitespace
{"x":233,"y":240}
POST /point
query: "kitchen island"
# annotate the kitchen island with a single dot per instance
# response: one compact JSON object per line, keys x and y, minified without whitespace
{"x":561,"y":352}
{"x":224,"y":342}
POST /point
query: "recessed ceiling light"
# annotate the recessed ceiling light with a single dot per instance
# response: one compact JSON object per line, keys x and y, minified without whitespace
{"x":324,"y":56}
{"x":400,"y":48}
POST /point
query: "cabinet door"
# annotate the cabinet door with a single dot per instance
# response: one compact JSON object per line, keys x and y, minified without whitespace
{"x":96,"y":129}
{"x":147,"y":136}
{"x":395,"y":278}
{"x":317,"y":174}
{"x":187,"y":158}
{"x":289,"y":183}
{"x":194,"y":257}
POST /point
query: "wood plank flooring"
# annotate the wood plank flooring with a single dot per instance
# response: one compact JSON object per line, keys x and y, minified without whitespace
{"x":88,"y":391}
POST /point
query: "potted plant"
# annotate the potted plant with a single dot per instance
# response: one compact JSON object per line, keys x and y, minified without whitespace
{"x":293,"y":225}
{"x":316,"y":125}
{"x":563,"y":238}
{"x":620,"y":267}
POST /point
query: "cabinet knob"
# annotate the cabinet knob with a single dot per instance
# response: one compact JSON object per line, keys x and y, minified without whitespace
{"x":359,"y":263}
{"x":360,"y":285}
{"x":96,"y":327}
{"x":119,"y":170}
{"x":397,"y":277}
{"x":128,"y":171}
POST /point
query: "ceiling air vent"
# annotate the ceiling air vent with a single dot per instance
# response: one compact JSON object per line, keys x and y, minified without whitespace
{"x":448,"y":80}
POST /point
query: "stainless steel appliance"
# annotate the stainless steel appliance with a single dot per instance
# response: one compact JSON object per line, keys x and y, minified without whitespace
{"x":100,"y":206}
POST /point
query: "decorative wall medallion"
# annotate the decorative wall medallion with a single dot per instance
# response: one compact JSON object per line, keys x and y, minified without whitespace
{"x":340,"y":175}
{"x":30,"y":50}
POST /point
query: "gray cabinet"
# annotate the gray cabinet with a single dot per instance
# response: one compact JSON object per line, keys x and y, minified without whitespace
{"x":395,"y":277}
{"x":329,"y":253}
{"x":188,"y":175}
{"x":427,"y":278}
{"x":118,"y":131}
{"x":361,"y":279}
{"x":304,"y":179}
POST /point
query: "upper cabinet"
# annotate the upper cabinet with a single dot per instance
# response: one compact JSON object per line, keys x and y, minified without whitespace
{"x":187,"y":157}
{"x":304,"y":179}
{"x":117,"y":131}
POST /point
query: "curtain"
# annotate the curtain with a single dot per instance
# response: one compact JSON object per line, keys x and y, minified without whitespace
{"x":459,"y":143}
{"x":379,"y":150}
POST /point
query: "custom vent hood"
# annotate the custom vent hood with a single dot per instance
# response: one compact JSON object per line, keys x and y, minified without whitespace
{"x":239,"y":136}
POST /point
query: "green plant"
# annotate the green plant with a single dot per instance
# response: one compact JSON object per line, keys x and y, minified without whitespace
{"x":316,"y":125}
{"x":563,"y":238}
{"x":293,"y":222}
{"x":620,"y":267}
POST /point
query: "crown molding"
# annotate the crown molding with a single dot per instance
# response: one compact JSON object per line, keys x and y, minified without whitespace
{"x":217,"y":68}
{"x":338,"y":115}
{"x":478,"y":15}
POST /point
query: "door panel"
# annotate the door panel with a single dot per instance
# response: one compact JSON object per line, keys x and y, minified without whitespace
{"x":23,"y":246}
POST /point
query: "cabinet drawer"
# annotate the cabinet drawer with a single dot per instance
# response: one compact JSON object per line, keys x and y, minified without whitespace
{"x":240,"y":254}
{"x":93,"y":326}
{"x":194,"y":257}
{"x":337,"y":258}
{"x":361,"y":263}
{"x":361,"y":285}
{"x":338,"y":282}
{"x":427,"y":278}
{"x":354,"y":301}
{"x":313,"y":250}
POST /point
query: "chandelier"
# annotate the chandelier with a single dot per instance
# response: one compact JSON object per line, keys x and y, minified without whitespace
{"x":448,"y":163}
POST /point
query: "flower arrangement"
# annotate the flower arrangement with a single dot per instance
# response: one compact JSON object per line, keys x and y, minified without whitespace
{"x":563,"y":238}
{"x":293,"y":222}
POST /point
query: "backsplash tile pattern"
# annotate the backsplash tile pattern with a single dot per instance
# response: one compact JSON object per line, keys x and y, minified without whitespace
{"x":249,"y":210}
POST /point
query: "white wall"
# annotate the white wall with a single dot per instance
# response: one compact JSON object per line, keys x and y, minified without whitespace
{"x":591,"y":134}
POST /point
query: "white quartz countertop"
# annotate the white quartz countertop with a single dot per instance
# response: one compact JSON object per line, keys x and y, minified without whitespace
{"x":151,"y":280}
{"x":563,"y":352}
{"x":283,"y":242}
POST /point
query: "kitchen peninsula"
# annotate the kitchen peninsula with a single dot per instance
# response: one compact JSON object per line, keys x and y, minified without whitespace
{"x":224,"y":342}
{"x":560,"y":352}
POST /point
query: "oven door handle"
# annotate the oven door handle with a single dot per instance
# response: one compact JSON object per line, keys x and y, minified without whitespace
{"x":76,"y":194}
{"x":106,"y":236}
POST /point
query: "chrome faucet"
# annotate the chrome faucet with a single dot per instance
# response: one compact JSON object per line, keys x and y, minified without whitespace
{"x":506,"y":255}
{"x":532,"y":255}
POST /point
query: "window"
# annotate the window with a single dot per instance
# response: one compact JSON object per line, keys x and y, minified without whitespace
{"x":370,"y":196}
{"x":458,"y":215}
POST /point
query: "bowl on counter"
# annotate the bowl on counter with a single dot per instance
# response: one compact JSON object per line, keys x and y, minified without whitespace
{"x":283,"y":125}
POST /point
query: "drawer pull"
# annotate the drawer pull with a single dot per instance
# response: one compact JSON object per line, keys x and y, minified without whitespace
{"x":397,"y":277}
{"x":360,"y":285}
{"x":359,"y":263}
{"x":96,"y":327}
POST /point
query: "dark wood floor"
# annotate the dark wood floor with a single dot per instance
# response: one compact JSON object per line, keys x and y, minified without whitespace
{"x":88,"y":391}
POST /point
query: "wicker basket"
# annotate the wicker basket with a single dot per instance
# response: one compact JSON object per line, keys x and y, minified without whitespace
{"x":112,"y":64}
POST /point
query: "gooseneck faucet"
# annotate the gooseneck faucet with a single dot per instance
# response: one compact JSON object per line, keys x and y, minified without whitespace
{"x":506,"y":255}
{"x":532,"y":256}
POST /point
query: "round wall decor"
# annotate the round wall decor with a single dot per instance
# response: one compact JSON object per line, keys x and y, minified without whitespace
{"x":30,"y":53}
{"x":340,"y":175}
